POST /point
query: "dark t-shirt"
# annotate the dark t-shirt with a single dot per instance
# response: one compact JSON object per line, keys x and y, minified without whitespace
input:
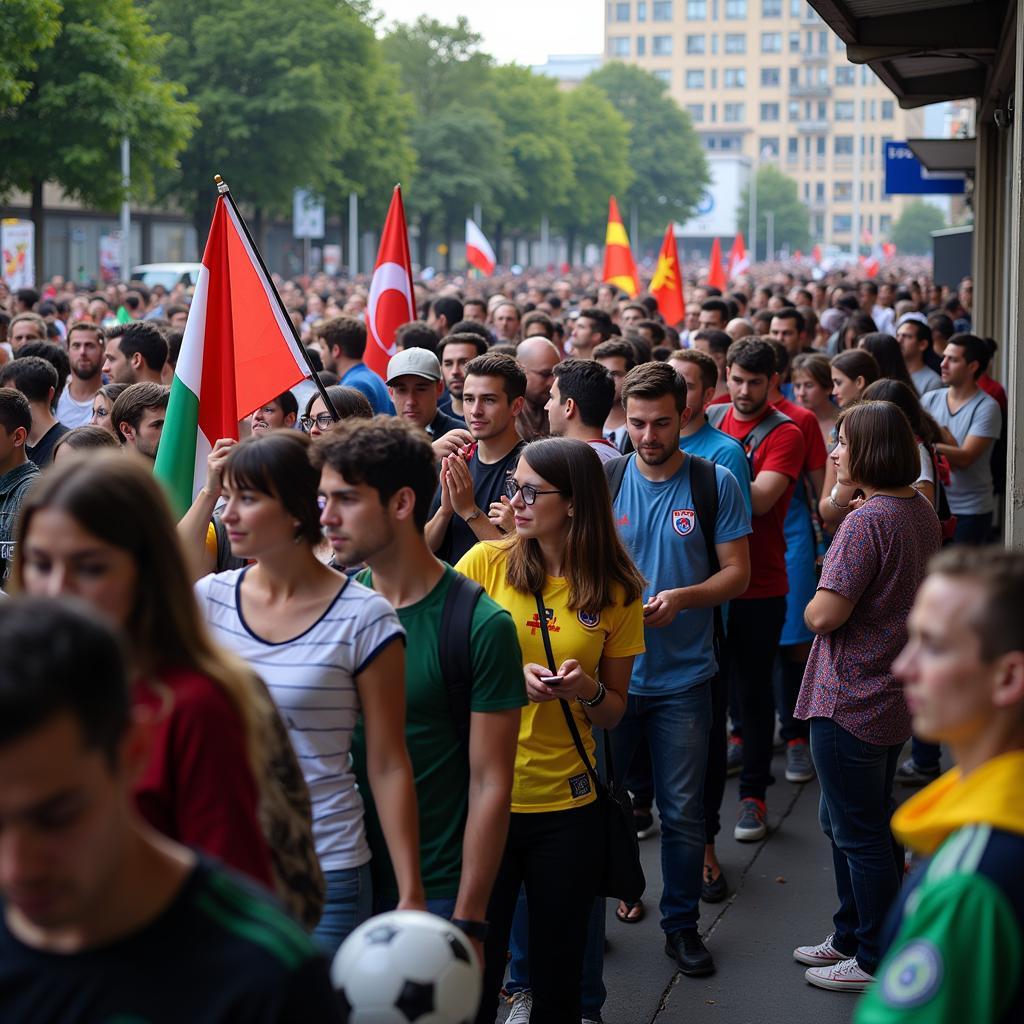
{"x":220,"y":952}
{"x":488,"y":486}
{"x":42,"y":454}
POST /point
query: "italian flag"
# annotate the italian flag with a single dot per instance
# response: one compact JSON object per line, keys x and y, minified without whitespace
{"x":238,"y":353}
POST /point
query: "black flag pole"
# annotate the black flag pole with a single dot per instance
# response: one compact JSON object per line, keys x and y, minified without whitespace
{"x":222,"y":189}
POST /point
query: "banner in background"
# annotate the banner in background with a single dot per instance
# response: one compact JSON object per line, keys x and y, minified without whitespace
{"x":17,"y":246}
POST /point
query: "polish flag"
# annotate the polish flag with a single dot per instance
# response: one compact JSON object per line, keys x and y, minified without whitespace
{"x":479,"y":253}
{"x":738,"y":261}
{"x":392,"y":301}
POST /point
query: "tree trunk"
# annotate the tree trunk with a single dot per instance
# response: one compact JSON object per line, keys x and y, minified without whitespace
{"x":499,"y":230}
{"x":448,"y":245}
{"x":570,"y":241}
{"x":259,"y":229}
{"x":38,"y":216}
{"x":201,"y":220}
{"x":423,"y":242}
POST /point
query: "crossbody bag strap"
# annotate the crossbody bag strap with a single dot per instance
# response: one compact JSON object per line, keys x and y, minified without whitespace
{"x":569,"y":720}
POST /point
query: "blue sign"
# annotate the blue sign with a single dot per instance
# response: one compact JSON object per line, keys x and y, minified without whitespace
{"x":906,"y":175}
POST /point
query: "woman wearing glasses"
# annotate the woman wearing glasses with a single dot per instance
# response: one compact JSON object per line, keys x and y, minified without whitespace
{"x":563,"y":574}
{"x":347,"y":402}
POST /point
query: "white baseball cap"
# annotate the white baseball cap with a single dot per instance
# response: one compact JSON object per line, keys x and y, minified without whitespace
{"x":417,"y":362}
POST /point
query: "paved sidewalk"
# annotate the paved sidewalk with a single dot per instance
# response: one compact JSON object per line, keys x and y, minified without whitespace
{"x":783,"y":895}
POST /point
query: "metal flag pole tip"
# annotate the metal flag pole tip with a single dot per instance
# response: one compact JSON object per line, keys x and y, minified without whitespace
{"x":222,"y":185}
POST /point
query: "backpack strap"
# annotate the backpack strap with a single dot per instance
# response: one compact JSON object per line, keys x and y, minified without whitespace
{"x":454,"y":652}
{"x":615,"y":470}
{"x":704,"y":487}
{"x":715,"y":414}
{"x":756,"y":437}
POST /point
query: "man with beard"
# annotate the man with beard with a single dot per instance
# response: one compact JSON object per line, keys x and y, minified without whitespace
{"x":455,"y":351}
{"x":37,"y":380}
{"x":86,"y":351}
{"x":138,"y":416}
{"x":135,"y":353}
{"x":685,"y":524}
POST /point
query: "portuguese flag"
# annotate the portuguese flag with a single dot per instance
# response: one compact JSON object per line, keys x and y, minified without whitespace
{"x":238,"y":353}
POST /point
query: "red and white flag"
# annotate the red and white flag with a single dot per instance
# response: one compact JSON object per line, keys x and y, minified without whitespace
{"x":392,"y":301}
{"x":479,"y":253}
{"x":738,"y":261}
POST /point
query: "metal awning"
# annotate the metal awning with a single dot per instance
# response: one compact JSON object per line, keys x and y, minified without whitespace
{"x":948,"y":155}
{"x":928,"y":51}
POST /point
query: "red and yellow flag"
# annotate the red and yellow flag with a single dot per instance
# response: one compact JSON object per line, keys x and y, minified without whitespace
{"x":619,"y":268}
{"x":716,"y":272}
{"x":667,"y":283}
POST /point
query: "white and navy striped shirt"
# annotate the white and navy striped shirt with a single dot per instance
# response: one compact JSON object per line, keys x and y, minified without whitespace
{"x":312,"y":679}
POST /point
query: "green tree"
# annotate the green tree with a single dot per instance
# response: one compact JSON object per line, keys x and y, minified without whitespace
{"x":778,"y":194}
{"x":27,"y":27}
{"x":669,"y":169}
{"x":539,"y":165}
{"x":99,"y":82}
{"x":288,"y":97}
{"x":912,"y":232}
{"x":597,"y":139}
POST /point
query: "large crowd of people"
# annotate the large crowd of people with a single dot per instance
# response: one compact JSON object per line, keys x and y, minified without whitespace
{"x":407,"y":646}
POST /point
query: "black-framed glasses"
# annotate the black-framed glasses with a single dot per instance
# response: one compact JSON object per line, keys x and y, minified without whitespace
{"x":528,"y":491}
{"x":323,"y":420}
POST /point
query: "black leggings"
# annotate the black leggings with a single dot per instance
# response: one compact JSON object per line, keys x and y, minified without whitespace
{"x":559,"y":857}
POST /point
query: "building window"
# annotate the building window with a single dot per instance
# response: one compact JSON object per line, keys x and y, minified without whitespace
{"x":771,"y":8}
{"x":663,"y":76}
{"x":842,"y":145}
{"x":696,"y":10}
{"x":888,"y":110}
{"x":662,"y":10}
{"x":884,"y":223}
{"x":622,"y":12}
{"x":794,"y":76}
{"x":732,"y":112}
{"x":771,"y":42}
{"x":795,"y":8}
{"x":768,"y":147}
{"x":844,"y":110}
{"x":641,"y":10}
{"x":618,"y":46}
{"x":735,"y":42}
{"x":696,"y":112}
{"x":792,"y":148}
{"x":842,"y":191}
{"x":769,"y":111}
{"x":842,"y":223}
{"x":793,"y":110}
{"x":794,"y":42}
{"x":819,"y":192}
{"x":641,"y":45}
{"x":734,"y":78}
{"x":661,"y":46}
{"x":695,"y":78}
{"x":736,"y":10}
{"x":770,"y":76}
{"x":820,"y":145}
{"x":696,"y":45}
{"x":846,"y":75}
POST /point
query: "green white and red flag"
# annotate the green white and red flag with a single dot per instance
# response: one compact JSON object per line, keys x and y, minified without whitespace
{"x":238,"y":353}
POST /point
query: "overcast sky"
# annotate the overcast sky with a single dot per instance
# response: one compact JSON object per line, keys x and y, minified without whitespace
{"x":524,"y":32}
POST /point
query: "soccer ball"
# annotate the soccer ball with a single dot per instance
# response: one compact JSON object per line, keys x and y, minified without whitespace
{"x":407,"y":967}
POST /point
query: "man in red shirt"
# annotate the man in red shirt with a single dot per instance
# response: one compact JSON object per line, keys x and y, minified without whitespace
{"x":757,"y":616}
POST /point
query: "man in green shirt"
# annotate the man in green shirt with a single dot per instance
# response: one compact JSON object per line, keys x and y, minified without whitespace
{"x":378,"y":478}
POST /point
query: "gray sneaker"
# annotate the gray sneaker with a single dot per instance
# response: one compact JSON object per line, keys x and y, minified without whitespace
{"x":798,"y":762}
{"x":734,"y":756}
{"x":522,"y":1006}
{"x":910,"y":773}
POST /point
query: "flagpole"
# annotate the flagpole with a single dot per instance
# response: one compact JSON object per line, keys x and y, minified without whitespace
{"x":222,"y":189}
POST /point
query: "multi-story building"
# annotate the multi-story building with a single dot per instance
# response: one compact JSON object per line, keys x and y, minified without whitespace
{"x":769,"y":80}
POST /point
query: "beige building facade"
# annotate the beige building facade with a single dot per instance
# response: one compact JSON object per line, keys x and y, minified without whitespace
{"x":768,"y":79}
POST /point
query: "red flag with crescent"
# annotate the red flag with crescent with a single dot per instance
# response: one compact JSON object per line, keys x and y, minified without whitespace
{"x":392,"y":300}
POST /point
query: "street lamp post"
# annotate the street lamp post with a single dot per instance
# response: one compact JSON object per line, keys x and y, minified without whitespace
{"x":769,"y":217}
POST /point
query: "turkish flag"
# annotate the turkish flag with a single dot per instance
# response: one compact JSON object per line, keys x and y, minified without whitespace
{"x":738,"y":262}
{"x":392,"y":300}
{"x":667,"y":283}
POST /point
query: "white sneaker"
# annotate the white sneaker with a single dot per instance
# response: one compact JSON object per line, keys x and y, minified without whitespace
{"x":822,"y":955}
{"x":522,"y":1006}
{"x":845,"y":976}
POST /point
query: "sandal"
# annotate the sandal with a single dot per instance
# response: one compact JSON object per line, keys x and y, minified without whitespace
{"x":630,"y":913}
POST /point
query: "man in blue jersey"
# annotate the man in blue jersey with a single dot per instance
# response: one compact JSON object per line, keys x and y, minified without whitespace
{"x":344,"y":341}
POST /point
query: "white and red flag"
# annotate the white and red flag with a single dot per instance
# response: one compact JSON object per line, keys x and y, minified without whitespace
{"x":479,"y":253}
{"x":738,"y":261}
{"x":392,"y":301}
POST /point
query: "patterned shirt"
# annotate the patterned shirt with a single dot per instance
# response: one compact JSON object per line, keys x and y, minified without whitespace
{"x":877,"y":560}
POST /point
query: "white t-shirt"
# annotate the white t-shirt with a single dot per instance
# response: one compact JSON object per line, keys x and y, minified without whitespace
{"x":71,"y":413}
{"x":927,"y":474}
{"x":312,"y":680}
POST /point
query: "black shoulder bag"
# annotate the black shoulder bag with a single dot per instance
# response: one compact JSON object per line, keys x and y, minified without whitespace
{"x":623,"y":873}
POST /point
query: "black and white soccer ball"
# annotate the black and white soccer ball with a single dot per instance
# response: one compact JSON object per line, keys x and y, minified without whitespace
{"x":407,"y":967}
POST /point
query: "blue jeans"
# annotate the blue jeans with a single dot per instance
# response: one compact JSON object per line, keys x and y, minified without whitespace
{"x":973,"y":529}
{"x":348,"y":904}
{"x":856,"y":805}
{"x":442,"y":906}
{"x":676,"y":727}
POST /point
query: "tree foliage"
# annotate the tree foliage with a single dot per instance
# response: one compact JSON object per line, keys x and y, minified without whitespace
{"x":776,"y":193}
{"x":27,"y":27}
{"x":669,"y":169}
{"x":912,"y":232}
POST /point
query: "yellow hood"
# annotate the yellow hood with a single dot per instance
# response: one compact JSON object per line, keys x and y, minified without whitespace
{"x":990,"y":795}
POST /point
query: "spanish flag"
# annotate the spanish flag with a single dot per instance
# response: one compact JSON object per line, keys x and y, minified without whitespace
{"x":667,"y":283}
{"x":619,"y":268}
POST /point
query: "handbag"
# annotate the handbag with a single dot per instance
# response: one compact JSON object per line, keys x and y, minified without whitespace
{"x":623,"y":876}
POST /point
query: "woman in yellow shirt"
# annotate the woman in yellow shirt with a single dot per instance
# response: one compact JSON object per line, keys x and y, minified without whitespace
{"x":565,"y":548}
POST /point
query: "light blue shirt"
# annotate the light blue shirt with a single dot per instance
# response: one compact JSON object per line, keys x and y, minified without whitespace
{"x":658,"y":524}
{"x":363,"y":379}
{"x":721,"y":449}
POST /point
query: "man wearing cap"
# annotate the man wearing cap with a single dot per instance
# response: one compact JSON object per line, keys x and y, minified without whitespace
{"x":414,"y":383}
{"x":915,"y":338}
